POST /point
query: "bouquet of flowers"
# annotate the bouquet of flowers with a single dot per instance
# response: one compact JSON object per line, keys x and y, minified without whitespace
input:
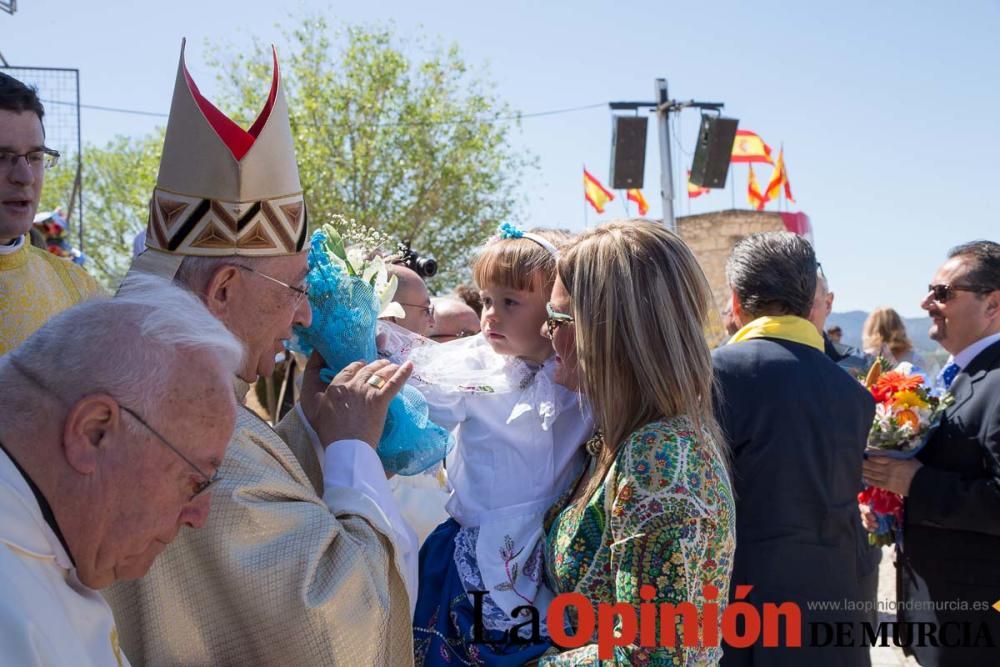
{"x":348,"y":293}
{"x":905,"y":414}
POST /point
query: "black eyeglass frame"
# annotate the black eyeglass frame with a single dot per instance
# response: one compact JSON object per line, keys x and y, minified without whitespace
{"x":49,"y":157}
{"x":943,"y":292}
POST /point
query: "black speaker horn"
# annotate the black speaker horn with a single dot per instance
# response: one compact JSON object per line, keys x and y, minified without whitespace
{"x":628,"y":151}
{"x":713,"y":151}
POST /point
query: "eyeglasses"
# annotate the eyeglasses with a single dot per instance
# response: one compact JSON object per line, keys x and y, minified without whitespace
{"x":945,"y":293}
{"x":460,"y":334}
{"x":200,"y":488}
{"x":39,"y":158}
{"x":427,"y":310}
{"x":555,"y":320}
{"x":299,"y":291}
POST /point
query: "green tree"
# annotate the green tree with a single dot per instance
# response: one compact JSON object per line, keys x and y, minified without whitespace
{"x":118,"y":180}
{"x":418,"y":148}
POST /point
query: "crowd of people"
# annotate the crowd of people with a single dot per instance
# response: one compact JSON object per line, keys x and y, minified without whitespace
{"x":603,"y":448}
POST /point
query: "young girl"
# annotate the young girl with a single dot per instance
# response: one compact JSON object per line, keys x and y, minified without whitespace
{"x":519,"y":438}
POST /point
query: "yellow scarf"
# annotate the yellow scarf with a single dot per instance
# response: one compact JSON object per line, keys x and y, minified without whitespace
{"x":785,"y":327}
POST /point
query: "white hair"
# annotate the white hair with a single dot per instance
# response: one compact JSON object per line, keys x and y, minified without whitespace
{"x":129,"y":347}
{"x":195,"y":272}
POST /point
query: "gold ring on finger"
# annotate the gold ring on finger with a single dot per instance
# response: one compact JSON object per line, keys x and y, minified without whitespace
{"x":377,"y":381}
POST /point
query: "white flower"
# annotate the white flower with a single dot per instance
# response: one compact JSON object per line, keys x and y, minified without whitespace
{"x":904,"y":367}
{"x":883,"y":416}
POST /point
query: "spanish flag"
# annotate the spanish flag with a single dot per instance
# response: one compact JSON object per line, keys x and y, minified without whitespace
{"x":756,"y":199}
{"x":779,"y":177}
{"x":640,"y":201}
{"x":695,"y":191}
{"x":595,"y":193}
{"x":749,"y":147}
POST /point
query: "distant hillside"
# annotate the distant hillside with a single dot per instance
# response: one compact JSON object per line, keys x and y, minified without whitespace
{"x":916,"y":327}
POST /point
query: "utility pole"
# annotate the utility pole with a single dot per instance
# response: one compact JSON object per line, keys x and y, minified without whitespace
{"x":666,"y":167}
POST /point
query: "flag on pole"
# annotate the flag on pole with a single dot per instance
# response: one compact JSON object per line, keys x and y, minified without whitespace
{"x":749,"y":147}
{"x":779,"y":177}
{"x":597,"y":195}
{"x":695,"y":191}
{"x":636,"y":195}
{"x":754,"y":196}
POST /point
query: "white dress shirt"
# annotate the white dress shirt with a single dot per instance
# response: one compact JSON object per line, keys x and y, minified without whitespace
{"x":11,"y":248}
{"x":965,"y":357}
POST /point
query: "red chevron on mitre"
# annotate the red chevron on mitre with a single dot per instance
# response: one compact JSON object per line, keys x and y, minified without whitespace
{"x":238,"y":140}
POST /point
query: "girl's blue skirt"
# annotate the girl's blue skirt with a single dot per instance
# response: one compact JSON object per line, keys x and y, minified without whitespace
{"x":444,"y":621}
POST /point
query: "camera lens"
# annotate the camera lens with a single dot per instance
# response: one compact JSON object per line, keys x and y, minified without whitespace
{"x":427,"y":266}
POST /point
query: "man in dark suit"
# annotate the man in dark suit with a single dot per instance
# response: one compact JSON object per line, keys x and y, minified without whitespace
{"x":796,"y":425}
{"x":949,"y":566}
{"x":855,"y":362}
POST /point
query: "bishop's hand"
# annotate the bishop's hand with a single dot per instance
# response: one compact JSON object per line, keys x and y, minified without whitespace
{"x":354,"y":405}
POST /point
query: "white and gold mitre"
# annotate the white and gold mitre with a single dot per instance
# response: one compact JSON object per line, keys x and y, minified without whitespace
{"x":222,"y":190}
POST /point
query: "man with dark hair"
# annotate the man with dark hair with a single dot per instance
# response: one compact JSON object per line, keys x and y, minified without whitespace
{"x":796,"y":426}
{"x":34,"y":284}
{"x":949,"y":569}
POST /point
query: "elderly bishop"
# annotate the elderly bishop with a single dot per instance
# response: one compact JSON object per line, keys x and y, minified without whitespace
{"x":304,"y":559}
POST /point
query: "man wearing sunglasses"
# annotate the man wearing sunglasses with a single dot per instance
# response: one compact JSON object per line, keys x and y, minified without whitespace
{"x":98,"y":473}
{"x":34,"y":284}
{"x":950,"y":558}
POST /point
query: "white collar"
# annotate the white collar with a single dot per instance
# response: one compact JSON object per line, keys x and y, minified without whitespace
{"x":965,"y":357}
{"x":13,"y":247}
{"x":27,"y":529}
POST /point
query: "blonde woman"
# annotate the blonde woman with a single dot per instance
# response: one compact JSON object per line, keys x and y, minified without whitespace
{"x":884,"y":334}
{"x":652,"y":519}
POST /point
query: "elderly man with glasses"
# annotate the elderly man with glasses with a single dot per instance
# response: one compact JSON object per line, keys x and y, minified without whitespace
{"x":34,"y":284}
{"x":412,"y":295}
{"x":949,"y":566}
{"x":99,"y":472}
{"x":305,"y":559}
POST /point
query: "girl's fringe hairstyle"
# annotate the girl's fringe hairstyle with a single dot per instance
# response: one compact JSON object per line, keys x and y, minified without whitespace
{"x":518,"y":263}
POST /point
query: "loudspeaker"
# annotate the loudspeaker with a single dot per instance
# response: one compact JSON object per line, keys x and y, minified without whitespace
{"x":715,"y":147}
{"x":628,"y":151}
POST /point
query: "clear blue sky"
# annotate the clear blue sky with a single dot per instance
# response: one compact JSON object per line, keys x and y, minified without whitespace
{"x":887,"y":110}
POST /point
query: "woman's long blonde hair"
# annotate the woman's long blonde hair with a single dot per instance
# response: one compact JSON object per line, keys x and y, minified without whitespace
{"x":641,"y":305}
{"x":885,"y":327}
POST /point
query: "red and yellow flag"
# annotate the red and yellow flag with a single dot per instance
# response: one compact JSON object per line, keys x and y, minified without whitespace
{"x":595,"y":193}
{"x":749,"y":147}
{"x":779,"y":177}
{"x":695,"y":191}
{"x":635,"y":195}
{"x":754,"y":196}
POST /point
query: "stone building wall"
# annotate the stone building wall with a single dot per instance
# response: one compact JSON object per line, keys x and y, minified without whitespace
{"x":711,"y":236}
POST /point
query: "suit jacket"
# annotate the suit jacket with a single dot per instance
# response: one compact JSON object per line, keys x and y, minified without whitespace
{"x":951,"y":536}
{"x":796,"y":425}
{"x":849,"y":358}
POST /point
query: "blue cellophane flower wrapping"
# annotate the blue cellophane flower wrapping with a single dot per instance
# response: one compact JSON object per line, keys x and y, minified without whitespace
{"x":344,"y":316}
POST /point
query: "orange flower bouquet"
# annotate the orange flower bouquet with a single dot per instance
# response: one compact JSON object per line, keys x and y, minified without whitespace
{"x":905,"y":414}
